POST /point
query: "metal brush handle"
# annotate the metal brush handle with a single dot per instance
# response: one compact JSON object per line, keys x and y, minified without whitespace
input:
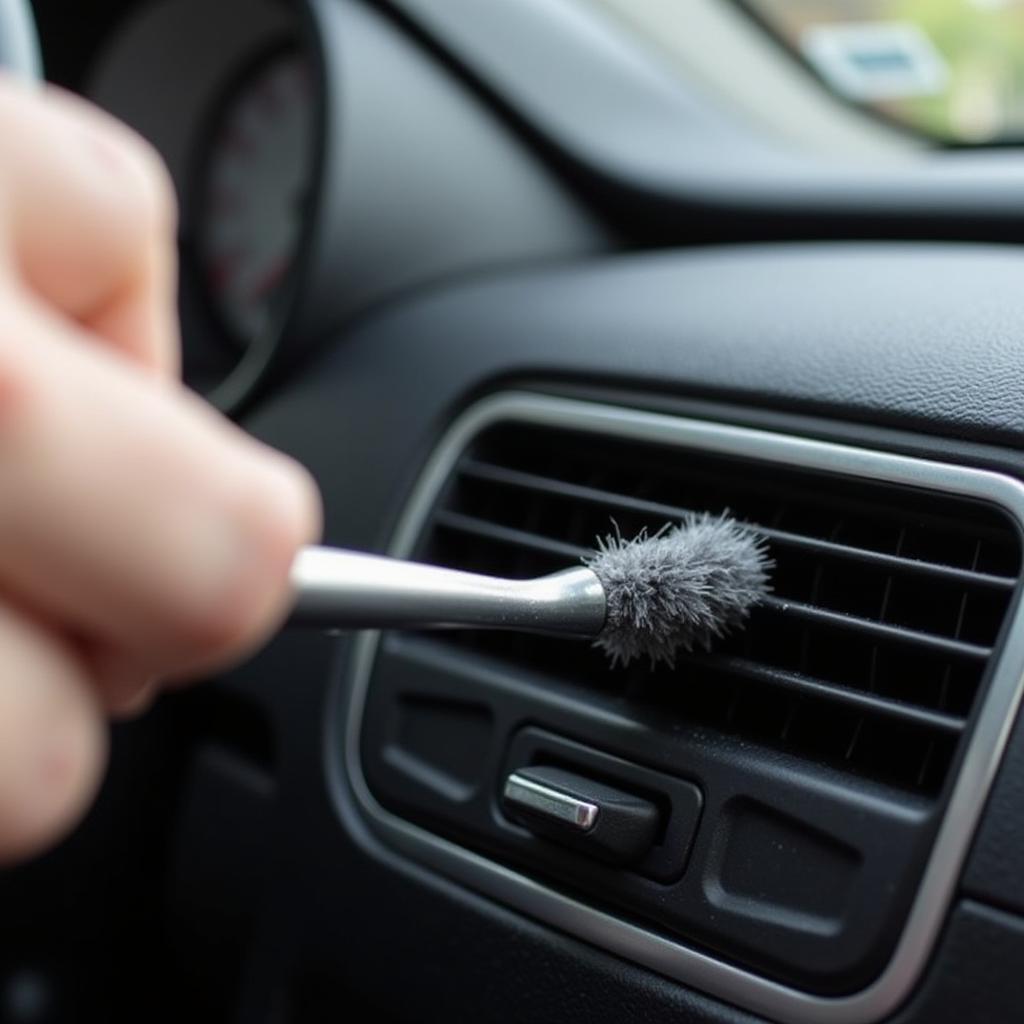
{"x":349,"y":590}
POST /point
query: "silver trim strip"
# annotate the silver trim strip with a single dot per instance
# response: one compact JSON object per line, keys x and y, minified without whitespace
{"x":673,"y":959}
{"x":551,"y":803}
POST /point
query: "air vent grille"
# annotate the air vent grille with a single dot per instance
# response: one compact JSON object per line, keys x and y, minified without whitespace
{"x":870,"y":655}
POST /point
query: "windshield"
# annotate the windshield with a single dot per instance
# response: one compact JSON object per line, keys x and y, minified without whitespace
{"x":950,"y":69}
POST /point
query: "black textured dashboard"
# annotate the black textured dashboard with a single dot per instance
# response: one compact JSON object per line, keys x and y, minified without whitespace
{"x":913,"y":336}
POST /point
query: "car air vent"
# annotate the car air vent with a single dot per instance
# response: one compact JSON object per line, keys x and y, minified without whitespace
{"x":807,"y":789}
{"x":870,"y":653}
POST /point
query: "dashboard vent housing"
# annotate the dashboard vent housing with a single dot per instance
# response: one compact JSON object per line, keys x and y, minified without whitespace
{"x":870,"y":653}
{"x":840,"y":748}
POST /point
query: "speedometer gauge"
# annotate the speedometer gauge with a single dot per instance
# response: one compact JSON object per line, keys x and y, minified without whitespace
{"x":255,"y":179}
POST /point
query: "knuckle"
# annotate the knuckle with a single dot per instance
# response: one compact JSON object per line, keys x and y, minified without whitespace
{"x":156,"y":196}
{"x":301,"y":523}
{"x":145,"y":189}
{"x":253,"y":594}
{"x":163,"y":197}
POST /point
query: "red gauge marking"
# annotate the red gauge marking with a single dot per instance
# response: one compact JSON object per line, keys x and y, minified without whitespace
{"x":269,"y":279}
{"x":259,"y":165}
{"x":222,"y":270}
{"x":234,"y":140}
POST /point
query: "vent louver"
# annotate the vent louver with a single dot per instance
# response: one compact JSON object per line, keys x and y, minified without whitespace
{"x":867,"y":659}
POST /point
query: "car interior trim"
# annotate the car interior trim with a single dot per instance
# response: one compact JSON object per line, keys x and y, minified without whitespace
{"x":985,"y":746}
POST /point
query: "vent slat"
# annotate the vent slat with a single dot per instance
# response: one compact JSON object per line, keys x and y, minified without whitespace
{"x":778,"y":606}
{"x":510,"y":535}
{"x":503,"y":475}
{"x":808,"y":687}
{"x":878,"y":630}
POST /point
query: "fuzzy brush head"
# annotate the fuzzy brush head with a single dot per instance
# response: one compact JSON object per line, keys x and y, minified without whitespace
{"x":680,"y":588}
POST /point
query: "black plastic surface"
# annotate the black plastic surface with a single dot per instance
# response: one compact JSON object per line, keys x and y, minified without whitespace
{"x":995,"y":871}
{"x":976,"y":974}
{"x":213,"y":894}
{"x":912,"y":336}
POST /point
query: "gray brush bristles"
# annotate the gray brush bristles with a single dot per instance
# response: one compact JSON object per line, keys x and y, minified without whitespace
{"x":679,"y":589}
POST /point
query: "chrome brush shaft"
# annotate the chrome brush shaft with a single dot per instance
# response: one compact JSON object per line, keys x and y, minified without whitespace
{"x":349,"y":590}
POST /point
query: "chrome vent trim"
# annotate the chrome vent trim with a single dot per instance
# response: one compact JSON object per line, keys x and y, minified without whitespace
{"x":994,"y":718}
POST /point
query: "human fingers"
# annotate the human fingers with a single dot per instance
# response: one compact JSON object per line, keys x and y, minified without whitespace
{"x":52,"y":735}
{"x":136,"y":515}
{"x":88,"y":220}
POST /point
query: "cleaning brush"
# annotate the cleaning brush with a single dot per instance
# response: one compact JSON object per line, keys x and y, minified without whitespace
{"x":649,"y":596}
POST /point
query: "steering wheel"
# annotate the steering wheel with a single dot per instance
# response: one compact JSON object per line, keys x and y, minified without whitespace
{"x":19,"y":44}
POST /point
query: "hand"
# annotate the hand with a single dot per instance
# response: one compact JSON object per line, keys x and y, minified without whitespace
{"x":143,"y":538}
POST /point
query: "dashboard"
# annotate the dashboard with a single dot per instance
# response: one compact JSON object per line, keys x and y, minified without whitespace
{"x":498,"y":274}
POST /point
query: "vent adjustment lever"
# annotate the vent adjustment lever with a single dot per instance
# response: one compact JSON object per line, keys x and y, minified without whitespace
{"x":591,"y":817}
